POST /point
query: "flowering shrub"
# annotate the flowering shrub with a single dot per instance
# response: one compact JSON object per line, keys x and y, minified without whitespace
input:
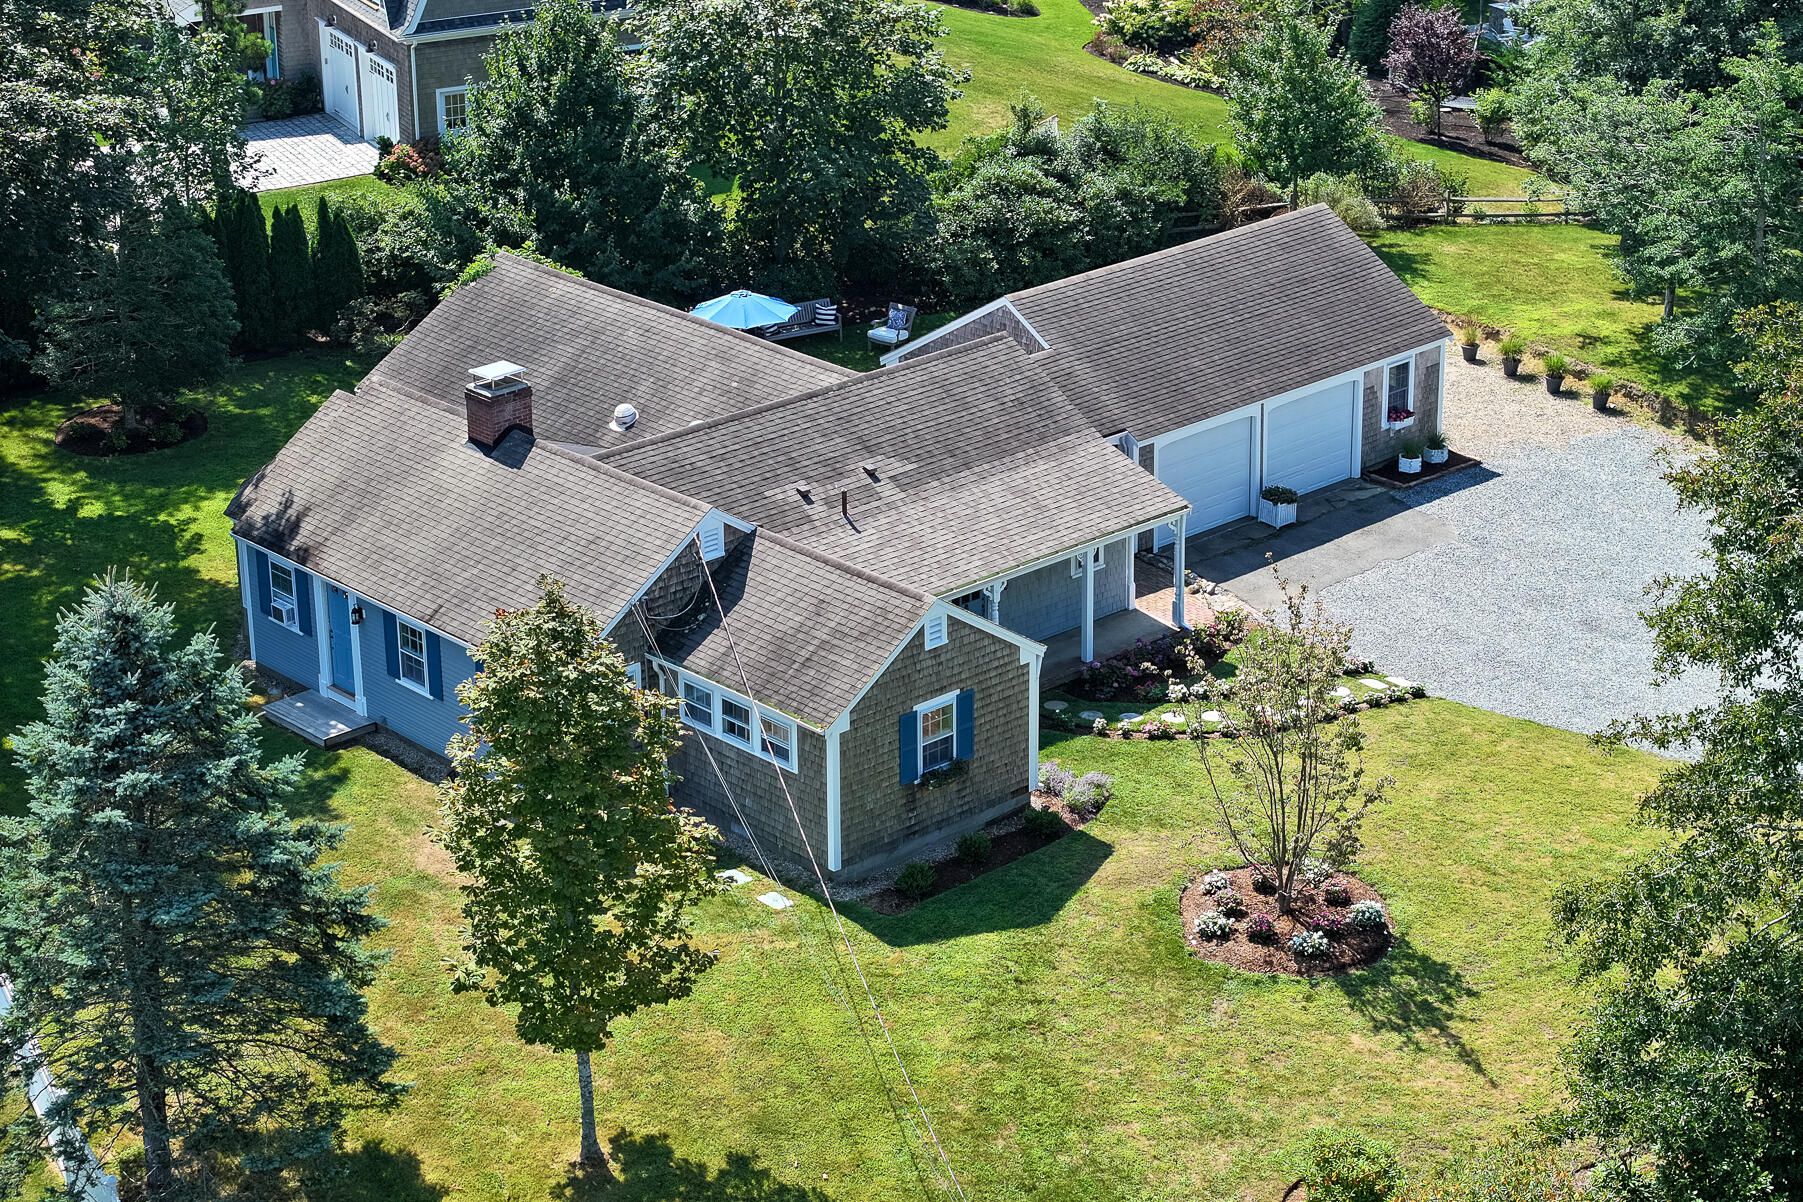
{"x":1330,"y":924}
{"x":1366,"y":916}
{"x":1148,"y":670}
{"x":1090,"y":792}
{"x":1316,"y":872}
{"x":1337,"y":894}
{"x":1230,"y":903}
{"x":1054,"y":779}
{"x":1215,"y":881}
{"x":421,"y":160}
{"x":1214,"y":924}
{"x":1099,"y":727}
{"x":1158,"y":730}
{"x":1260,"y":928}
{"x":1344,"y":1167}
{"x":1308,"y":944}
{"x":1359,"y":667}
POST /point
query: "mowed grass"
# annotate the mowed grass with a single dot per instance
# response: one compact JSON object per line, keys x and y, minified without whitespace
{"x":1552,"y":283}
{"x":1065,"y":1044}
{"x":307,"y":195}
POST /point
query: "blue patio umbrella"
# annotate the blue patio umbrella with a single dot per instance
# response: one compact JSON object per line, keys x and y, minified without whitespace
{"x":744,"y":310}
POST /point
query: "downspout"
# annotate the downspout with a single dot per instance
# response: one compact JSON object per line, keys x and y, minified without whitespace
{"x":413,"y":82}
{"x":835,"y":843}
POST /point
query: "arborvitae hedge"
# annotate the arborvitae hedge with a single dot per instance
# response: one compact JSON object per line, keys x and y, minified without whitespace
{"x":291,"y":276}
{"x":337,"y":267}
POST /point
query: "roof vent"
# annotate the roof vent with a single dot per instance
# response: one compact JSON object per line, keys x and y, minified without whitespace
{"x":497,"y":400}
{"x":625,"y":417}
{"x":805,"y":491}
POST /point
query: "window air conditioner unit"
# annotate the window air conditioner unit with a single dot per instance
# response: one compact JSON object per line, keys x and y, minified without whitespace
{"x":282,"y":612}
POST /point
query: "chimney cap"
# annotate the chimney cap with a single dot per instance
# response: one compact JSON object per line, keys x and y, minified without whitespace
{"x":497,"y":370}
{"x":493,"y":379}
{"x":625,"y":417}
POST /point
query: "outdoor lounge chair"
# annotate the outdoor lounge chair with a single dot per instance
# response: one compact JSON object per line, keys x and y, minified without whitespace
{"x":893,"y":330}
{"x":814,"y":317}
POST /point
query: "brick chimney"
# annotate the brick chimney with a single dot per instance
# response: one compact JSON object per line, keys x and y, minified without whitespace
{"x":496,"y":400}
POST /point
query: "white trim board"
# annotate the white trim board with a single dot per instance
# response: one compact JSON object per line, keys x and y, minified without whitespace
{"x":893,"y":357}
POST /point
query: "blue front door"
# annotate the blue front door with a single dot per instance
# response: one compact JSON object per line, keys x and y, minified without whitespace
{"x":344,"y":664}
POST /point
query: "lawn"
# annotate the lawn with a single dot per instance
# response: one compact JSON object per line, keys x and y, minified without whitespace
{"x":1554,"y":284}
{"x":307,"y":196}
{"x":1064,"y":1042}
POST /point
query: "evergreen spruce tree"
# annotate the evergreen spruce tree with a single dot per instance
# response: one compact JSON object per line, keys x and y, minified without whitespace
{"x":1369,"y":38}
{"x":290,"y":275}
{"x":247,"y":235}
{"x":189,"y":969}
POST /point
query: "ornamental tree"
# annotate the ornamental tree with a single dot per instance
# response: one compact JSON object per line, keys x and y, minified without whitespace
{"x":581,"y":874}
{"x":1292,"y":786}
{"x":1297,"y":108}
{"x":1431,"y":54}
{"x":181,"y":961}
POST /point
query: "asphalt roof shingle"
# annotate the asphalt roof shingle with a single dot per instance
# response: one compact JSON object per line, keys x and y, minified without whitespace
{"x":587,"y":348}
{"x":1159,"y":342}
{"x":954,"y":467}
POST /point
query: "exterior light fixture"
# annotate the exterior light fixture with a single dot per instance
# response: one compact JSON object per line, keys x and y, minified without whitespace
{"x":356,"y":615}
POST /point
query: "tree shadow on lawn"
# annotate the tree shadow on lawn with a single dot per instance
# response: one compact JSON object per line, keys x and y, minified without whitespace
{"x":1415,"y":997}
{"x":1029,"y":892}
{"x":647,"y":1169}
{"x":372,"y":1172}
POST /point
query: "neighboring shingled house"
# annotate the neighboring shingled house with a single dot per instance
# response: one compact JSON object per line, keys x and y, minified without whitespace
{"x":1279,"y":353}
{"x":843,"y":577}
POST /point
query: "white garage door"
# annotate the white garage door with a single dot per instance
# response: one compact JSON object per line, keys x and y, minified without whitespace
{"x":1212,"y":470}
{"x":1308,"y":441}
{"x":338,"y":75}
{"x":381,"y":110}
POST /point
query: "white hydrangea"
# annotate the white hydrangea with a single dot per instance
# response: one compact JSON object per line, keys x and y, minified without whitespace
{"x":1214,"y":882}
{"x":1367,"y":915}
{"x":1309,"y":943}
{"x":1213,"y":924}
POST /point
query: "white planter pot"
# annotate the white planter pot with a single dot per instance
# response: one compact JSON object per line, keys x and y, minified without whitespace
{"x":1273,"y":514}
{"x":1407,"y":466}
{"x":1437,"y":455}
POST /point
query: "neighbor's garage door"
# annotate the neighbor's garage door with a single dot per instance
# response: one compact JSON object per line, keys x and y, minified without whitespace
{"x":1212,"y":470}
{"x":338,"y":76}
{"x":381,"y":108}
{"x":1308,"y":441}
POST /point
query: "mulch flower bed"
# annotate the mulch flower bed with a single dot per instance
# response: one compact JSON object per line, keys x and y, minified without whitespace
{"x":1458,"y":129}
{"x":93,"y":431}
{"x":1346,"y":950}
{"x":1004,"y":848}
{"x":1389,"y":477}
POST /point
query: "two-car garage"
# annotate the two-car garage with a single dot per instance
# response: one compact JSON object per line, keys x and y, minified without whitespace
{"x":1305,"y":441}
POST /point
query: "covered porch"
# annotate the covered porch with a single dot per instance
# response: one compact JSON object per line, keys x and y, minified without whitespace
{"x":1112,"y":635}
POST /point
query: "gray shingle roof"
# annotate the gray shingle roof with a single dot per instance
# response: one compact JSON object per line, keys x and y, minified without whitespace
{"x":1156,"y":343}
{"x":387,"y":496}
{"x":980,"y":465}
{"x":811,"y":632}
{"x":586,"y":349}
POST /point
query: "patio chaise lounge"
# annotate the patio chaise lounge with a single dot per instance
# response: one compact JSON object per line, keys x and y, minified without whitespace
{"x":813,"y":317}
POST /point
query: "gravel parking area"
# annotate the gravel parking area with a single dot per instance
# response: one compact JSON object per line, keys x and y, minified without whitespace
{"x":1530,"y":606}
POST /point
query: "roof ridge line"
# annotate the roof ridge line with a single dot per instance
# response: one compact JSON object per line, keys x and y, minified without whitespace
{"x":725,"y":331}
{"x":714,"y":423}
{"x":1167,"y":252}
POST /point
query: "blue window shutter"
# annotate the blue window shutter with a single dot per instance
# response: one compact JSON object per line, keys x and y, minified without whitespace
{"x":303,"y":597}
{"x":910,"y":747}
{"x":259,"y":563}
{"x":391,"y":635}
{"x":434,"y":666}
{"x":964,"y":742}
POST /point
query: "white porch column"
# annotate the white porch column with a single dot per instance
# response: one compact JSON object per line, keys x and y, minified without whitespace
{"x":1089,"y":604}
{"x":994,"y":592}
{"x":1179,"y":592}
{"x":1033,"y":664}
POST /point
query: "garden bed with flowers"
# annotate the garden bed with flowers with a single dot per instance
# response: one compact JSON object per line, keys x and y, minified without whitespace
{"x":1338,"y":923}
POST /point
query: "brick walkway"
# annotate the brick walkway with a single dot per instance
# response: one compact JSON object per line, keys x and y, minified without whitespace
{"x":306,"y":150}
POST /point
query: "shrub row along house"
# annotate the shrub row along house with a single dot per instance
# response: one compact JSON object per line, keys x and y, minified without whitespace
{"x":847,"y":579}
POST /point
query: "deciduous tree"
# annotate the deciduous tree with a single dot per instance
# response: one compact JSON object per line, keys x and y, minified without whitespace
{"x":1298,"y":108}
{"x":1430,"y":54}
{"x":188,"y":970}
{"x":581,"y":873}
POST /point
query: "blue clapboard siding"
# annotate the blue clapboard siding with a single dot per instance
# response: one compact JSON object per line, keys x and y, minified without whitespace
{"x":402,"y":709}
{"x":288,"y":652}
{"x":1047,"y":601}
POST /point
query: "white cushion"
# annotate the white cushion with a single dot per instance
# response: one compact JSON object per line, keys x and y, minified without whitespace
{"x":885,"y":334}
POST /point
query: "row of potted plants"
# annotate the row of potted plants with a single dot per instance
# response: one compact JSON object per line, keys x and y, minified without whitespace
{"x":1553,"y":366}
{"x":1414,"y":450}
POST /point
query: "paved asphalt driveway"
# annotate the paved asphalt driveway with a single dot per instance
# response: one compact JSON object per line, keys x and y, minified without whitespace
{"x":1514,"y":585}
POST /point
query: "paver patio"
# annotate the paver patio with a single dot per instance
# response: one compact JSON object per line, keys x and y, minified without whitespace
{"x":314,"y":149}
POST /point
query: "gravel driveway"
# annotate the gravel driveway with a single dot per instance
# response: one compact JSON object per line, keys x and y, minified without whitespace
{"x":1515,"y":586}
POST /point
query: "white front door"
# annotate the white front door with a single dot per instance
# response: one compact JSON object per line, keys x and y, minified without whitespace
{"x":338,"y":76}
{"x":1309,"y":440}
{"x":1212,"y":470}
{"x":381,"y":107}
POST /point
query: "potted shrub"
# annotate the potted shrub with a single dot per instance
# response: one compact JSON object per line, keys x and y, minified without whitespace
{"x":1277,"y":506}
{"x":1510,"y":349}
{"x":1600,"y":388}
{"x":1468,"y":343}
{"x":1553,"y":369}
{"x":1436,"y":451}
{"x":1408,"y":456}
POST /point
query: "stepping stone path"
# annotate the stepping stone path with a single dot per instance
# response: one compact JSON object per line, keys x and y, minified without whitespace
{"x":1174,"y":716}
{"x":775,"y":900}
{"x":1126,"y":718}
{"x":1342,"y":691}
{"x":733,"y":876}
{"x":1057,"y":707}
{"x":1089,"y":715}
{"x":1400,"y":683}
{"x":1209,"y":716}
{"x":1372,"y":684}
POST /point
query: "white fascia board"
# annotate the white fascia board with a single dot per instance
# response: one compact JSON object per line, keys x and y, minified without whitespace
{"x":893,"y":357}
{"x":692,"y":537}
{"x":959,"y":590}
{"x":353,"y":591}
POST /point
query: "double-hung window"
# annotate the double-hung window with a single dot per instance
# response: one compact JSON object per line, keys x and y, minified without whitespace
{"x":735,"y":719}
{"x":697,"y":705}
{"x":778,"y":738}
{"x":282,"y":605}
{"x":453,"y":110}
{"x":413,"y":654}
{"x":938,"y":736}
{"x":1399,"y":407}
